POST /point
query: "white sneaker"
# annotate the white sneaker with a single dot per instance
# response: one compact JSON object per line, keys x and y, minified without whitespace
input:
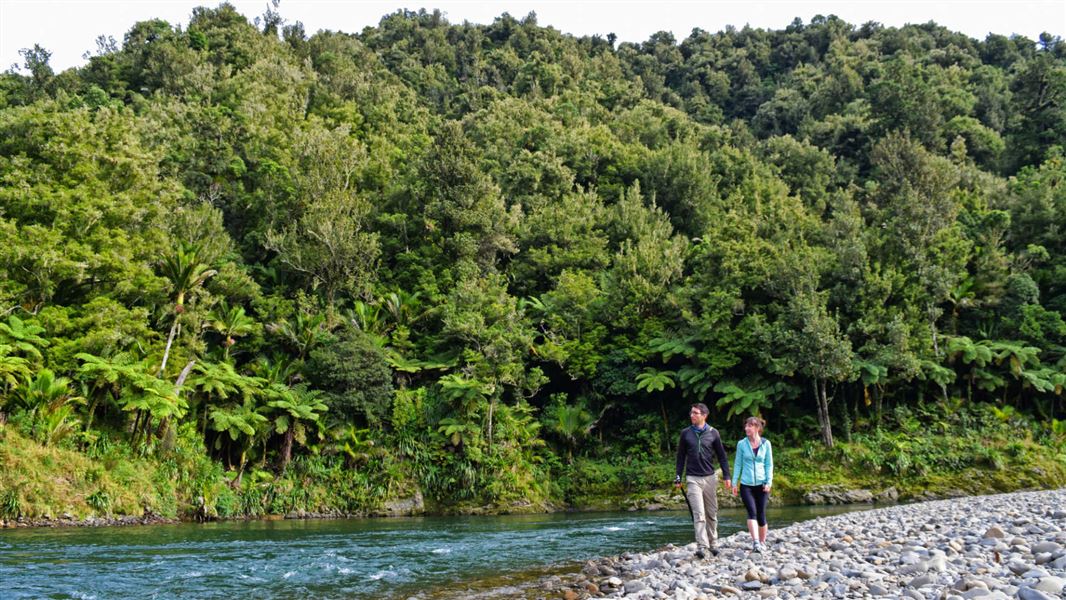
{"x":756,"y":547}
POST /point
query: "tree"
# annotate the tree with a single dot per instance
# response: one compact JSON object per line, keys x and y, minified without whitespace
{"x":23,"y":337}
{"x":571,"y":422}
{"x":242,"y":422}
{"x":231,"y":322}
{"x":329,"y":244}
{"x":297,"y":408}
{"x":45,"y":399}
{"x":353,"y":374}
{"x":186,"y":275}
{"x":819,"y":351}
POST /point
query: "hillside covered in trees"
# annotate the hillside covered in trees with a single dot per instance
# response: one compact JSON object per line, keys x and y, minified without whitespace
{"x":496,"y":263}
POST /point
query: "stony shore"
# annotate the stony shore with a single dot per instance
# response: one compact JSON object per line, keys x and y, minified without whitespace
{"x":68,"y":520}
{"x":1003,"y":546}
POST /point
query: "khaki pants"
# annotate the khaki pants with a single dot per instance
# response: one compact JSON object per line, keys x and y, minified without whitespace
{"x":702,"y":495}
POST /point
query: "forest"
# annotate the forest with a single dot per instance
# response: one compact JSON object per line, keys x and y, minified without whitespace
{"x":257,"y":270}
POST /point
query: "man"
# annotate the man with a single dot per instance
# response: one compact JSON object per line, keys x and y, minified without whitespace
{"x":696,"y":450}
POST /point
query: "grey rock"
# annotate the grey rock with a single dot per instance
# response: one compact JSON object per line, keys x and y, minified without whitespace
{"x":752,"y":585}
{"x":634,"y":586}
{"x":878,"y":590}
{"x":1026,"y":593}
{"x":995,"y":532}
{"x":1017,"y":567}
{"x":919,"y":581}
{"x":887,"y":496}
{"x":909,"y":558}
{"x":913,"y":569}
{"x":1051,"y":585}
{"x":1050,"y":547}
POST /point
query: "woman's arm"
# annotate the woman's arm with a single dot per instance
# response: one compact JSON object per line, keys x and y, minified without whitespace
{"x":769,"y":465}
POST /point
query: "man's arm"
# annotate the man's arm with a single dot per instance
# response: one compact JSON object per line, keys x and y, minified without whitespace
{"x":680,"y":457}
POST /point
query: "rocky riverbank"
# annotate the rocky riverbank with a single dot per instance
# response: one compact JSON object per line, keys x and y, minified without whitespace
{"x":69,"y":520}
{"x":1002,"y":546}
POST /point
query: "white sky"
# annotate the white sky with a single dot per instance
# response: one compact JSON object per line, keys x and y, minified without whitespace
{"x":68,"y":28}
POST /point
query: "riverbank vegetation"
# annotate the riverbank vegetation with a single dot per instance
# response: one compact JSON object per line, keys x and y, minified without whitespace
{"x":260,"y":271}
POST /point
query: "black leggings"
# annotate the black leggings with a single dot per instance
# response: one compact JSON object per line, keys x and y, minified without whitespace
{"x":755,"y":500}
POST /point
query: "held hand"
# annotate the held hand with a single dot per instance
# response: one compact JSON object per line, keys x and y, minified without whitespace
{"x":735,"y":490}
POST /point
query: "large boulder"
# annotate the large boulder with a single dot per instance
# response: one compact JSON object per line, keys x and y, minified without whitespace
{"x":835,"y":494}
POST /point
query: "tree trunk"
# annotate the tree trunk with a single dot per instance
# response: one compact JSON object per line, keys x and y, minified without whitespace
{"x":165,"y":422}
{"x":936,"y":349}
{"x":240,"y":471}
{"x":879,"y":399}
{"x":666,"y":426}
{"x":819,"y":386}
{"x":147,"y":427}
{"x":136,"y":428}
{"x":492,"y":406}
{"x":286,"y":447}
{"x":170,"y":341}
{"x":92,"y":411}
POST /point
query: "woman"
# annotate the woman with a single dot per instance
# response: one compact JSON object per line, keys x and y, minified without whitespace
{"x":754,"y":467}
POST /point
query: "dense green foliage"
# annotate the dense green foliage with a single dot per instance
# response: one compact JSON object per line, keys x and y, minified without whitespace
{"x":497,"y":262}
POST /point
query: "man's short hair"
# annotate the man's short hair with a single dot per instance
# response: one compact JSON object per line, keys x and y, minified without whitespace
{"x":702,"y":408}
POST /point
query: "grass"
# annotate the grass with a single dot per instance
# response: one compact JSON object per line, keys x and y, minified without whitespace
{"x":38,"y":481}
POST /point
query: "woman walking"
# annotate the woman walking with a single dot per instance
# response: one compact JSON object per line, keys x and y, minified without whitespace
{"x":754,"y":468}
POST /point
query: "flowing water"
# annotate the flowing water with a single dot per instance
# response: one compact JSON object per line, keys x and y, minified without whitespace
{"x":366,"y":558}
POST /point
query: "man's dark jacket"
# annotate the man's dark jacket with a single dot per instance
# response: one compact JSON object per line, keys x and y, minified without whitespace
{"x":698,"y":449}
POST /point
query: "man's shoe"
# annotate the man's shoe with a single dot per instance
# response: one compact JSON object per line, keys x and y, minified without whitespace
{"x":713,"y":551}
{"x":701,"y":553}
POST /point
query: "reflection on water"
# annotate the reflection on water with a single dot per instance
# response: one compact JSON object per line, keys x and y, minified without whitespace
{"x":366,"y":558}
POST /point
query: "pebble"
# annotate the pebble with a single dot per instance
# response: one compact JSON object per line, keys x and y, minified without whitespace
{"x":1051,"y":585}
{"x":1033,"y":594}
{"x":1048,"y":547}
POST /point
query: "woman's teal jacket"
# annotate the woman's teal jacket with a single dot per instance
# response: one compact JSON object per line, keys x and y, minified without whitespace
{"x":752,"y":469}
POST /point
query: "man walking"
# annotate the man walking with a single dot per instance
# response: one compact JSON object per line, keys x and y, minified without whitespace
{"x":696,"y":450}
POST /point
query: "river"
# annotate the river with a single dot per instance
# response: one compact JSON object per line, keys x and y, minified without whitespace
{"x":426,"y":557}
